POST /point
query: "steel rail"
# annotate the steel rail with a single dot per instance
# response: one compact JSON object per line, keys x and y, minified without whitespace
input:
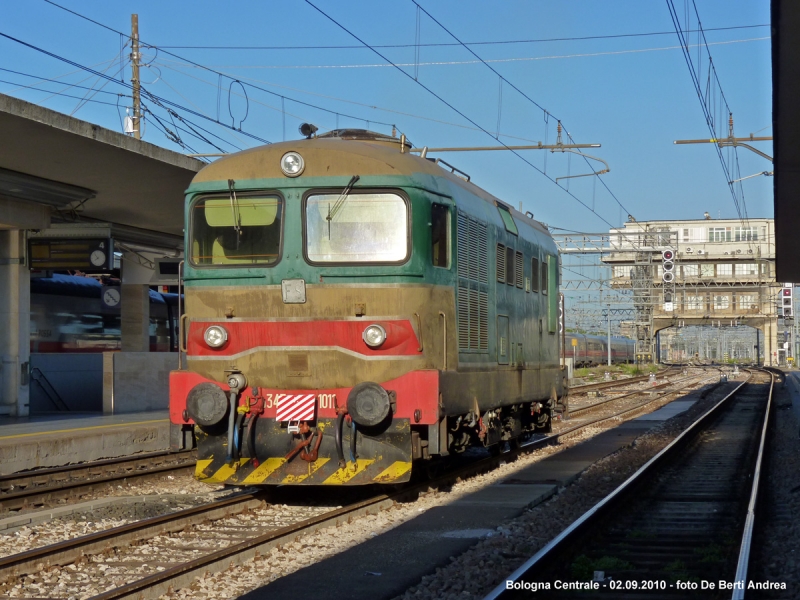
{"x":16,"y":479}
{"x":580,"y":409}
{"x":61,"y":553}
{"x":578,"y":525}
{"x":174,"y":577}
{"x":60,"y":489}
{"x":749,"y":526}
{"x":626,"y":411}
{"x":601,"y":385}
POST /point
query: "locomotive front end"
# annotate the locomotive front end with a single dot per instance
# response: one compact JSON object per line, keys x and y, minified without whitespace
{"x":305,"y":319}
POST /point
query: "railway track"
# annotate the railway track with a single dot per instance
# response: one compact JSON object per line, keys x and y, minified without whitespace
{"x":602,"y":385}
{"x":236,"y":519}
{"x":44,"y":487}
{"x":685,"y":517}
{"x":659,"y":387}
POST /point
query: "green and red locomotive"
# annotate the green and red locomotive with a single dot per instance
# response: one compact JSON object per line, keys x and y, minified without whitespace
{"x":352,"y":309}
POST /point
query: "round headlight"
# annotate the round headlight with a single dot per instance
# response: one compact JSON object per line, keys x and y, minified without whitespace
{"x":374,"y":336}
{"x":292,"y":164}
{"x":215,"y":336}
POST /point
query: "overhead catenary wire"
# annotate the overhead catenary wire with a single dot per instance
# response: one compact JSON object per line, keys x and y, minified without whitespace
{"x":165,"y":64}
{"x":62,"y":94}
{"x":711,"y":122}
{"x":445,"y":44}
{"x":127,"y":85}
{"x":453,"y":108}
{"x":448,"y":63}
{"x":522,"y":93}
{"x":211,"y":70}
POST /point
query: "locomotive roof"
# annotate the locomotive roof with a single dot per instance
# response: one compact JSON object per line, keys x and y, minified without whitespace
{"x":343,"y":153}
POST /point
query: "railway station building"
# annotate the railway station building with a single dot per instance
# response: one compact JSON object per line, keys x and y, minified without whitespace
{"x":78,"y":198}
{"x":704,"y":272}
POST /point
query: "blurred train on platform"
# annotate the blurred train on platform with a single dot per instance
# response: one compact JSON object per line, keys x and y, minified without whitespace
{"x":68,"y":314}
{"x":591,"y":350}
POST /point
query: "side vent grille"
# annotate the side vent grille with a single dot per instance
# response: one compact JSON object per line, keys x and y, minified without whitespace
{"x":473,"y":280}
{"x":501,"y":263}
{"x":518,"y":269}
{"x":473,"y":319}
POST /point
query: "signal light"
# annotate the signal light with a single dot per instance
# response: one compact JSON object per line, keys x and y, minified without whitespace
{"x":788,"y":301}
{"x":668,"y":266}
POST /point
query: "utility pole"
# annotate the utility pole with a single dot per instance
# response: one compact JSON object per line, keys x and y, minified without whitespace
{"x":608,"y":324}
{"x":135,"y":57}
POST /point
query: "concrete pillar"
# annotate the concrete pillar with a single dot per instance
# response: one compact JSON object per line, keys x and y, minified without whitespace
{"x":15,"y":322}
{"x":135,"y":311}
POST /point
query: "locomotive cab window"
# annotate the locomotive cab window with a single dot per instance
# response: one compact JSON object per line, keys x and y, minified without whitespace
{"x":440,"y":235}
{"x":245,"y":230}
{"x":356,"y":228}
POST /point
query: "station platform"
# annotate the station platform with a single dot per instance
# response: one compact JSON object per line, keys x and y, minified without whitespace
{"x":58,"y":440}
{"x":429,"y":540}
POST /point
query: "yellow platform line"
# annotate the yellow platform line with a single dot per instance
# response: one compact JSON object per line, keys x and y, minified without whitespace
{"x":21,"y":435}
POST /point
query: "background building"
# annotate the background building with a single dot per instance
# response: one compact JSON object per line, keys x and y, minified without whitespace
{"x":711,"y":272}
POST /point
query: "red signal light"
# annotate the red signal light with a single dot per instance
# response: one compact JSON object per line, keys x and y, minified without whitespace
{"x":787,"y":291}
{"x":668,"y":255}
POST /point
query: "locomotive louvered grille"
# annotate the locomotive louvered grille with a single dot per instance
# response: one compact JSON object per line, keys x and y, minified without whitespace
{"x":473,"y":319}
{"x":518,"y":269}
{"x":473,"y":280}
{"x":501,"y":263}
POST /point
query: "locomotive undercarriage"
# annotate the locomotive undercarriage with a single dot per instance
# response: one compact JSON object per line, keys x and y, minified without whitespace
{"x":489,"y":430}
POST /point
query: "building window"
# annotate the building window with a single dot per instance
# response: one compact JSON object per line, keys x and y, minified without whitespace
{"x":746,"y":269}
{"x":764,"y":268}
{"x":719,"y":234}
{"x":690,"y":271}
{"x":694,"y":303}
{"x":722,"y":302}
{"x":620,"y":272}
{"x":747,"y":302}
{"x":685,"y":235}
{"x":724,"y":270}
{"x":745,"y":234}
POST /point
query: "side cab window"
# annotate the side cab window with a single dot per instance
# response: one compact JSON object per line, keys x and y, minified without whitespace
{"x":440,"y":235}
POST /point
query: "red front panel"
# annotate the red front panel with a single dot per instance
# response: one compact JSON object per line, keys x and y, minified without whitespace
{"x":417,"y":390}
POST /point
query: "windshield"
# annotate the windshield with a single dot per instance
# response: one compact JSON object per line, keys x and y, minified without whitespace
{"x":243,"y":230}
{"x":364,"y":228}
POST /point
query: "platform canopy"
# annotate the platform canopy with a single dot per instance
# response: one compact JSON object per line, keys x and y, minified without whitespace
{"x":55,"y":166}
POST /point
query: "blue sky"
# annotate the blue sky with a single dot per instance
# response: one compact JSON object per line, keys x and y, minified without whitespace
{"x":633,"y":95}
